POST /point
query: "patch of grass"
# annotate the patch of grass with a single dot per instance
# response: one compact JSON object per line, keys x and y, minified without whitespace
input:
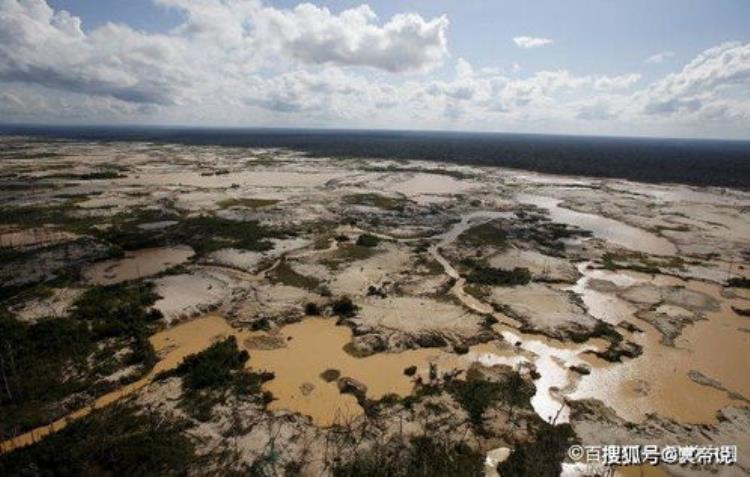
{"x":418,"y":456}
{"x":368,"y":240}
{"x":344,"y":307}
{"x":122,"y":310}
{"x":485,"y":275}
{"x":40,"y":364}
{"x":422,"y":170}
{"x":542,"y":457}
{"x":104,"y":174}
{"x":376,"y":200}
{"x":212,"y":367}
{"x":250,"y":203}
{"x":204,"y":234}
{"x":347,"y":253}
{"x":117,"y":440}
{"x":43,"y":364}
{"x":738,"y":282}
{"x":57,"y":214}
{"x":640,"y":262}
{"x":487,"y":234}
{"x":285,"y":274}
{"x":477,"y":291}
{"x":210,"y":376}
{"x":477,"y":394}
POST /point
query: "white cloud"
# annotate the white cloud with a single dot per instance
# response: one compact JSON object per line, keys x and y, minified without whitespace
{"x":240,"y":62}
{"x":221,"y":42}
{"x":314,"y":35}
{"x":608,"y":83}
{"x":39,"y":45}
{"x":531,"y":41}
{"x":658,"y":58}
{"x":701,"y":82}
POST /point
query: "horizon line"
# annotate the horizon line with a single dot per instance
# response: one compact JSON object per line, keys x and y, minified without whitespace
{"x":308,"y":129}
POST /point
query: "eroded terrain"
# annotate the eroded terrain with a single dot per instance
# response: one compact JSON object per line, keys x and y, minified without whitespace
{"x":345,"y":313}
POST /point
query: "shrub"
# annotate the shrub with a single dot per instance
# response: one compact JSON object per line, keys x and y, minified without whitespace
{"x":368,"y":240}
{"x":344,"y":307}
{"x":117,"y":440}
{"x":499,"y":277}
{"x":420,"y":456}
{"x":739,"y":282}
{"x":212,"y":367}
{"x":542,"y":457}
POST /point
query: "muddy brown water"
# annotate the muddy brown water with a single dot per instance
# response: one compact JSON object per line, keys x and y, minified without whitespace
{"x":602,"y":227}
{"x":312,"y":346}
{"x":137,"y":264}
{"x":658,"y":381}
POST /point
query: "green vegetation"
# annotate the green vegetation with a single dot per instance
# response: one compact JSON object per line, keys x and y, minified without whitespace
{"x":419,"y":170}
{"x":368,"y":240}
{"x":376,"y":200}
{"x":43,"y":364}
{"x":739,"y":282}
{"x":344,"y":307}
{"x":640,"y":262}
{"x":122,"y":311}
{"x":617,"y":348}
{"x":117,"y":440}
{"x":40,"y":364}
{"x":209,"y":377}
{"x":347,"y":253}
{"x":418,"y":456}
{"x":487,"y":234}
{"x":204,"y":234}
{"x":250,"y":203}
{"x":105,"y":174}
{"x":56,"y":214}
{"x":477,"y":394}
{"x":285,"y":274}
{"x":312,"y":309}
{"x":213,"y":367}
{"x":484,"y":275}
{"x":542,"y":457}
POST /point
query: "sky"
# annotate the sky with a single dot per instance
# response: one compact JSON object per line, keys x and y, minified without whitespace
{"x":674,"y":68}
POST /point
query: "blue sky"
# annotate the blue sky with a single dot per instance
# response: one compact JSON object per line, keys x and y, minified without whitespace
{"x":636,"y":67}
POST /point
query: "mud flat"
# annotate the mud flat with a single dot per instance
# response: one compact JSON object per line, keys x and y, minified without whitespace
{"x":607,"y":229}
{"x":137,"y":264}
{"x":374,"y":290}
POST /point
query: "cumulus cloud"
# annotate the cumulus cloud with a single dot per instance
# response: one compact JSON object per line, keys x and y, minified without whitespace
{"x":220,"y":41}
{"x":701,"y":82}
{"x":39,"y":45}
{"x":531,"y":41}
{"x":314,"y":35}
{"x":242,"y":62}
{"x":658,"y":58}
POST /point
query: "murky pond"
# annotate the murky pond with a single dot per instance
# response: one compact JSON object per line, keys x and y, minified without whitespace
{"x":714,"y":347}
{"x":602,"y":227}
{"x":137,"y":264}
